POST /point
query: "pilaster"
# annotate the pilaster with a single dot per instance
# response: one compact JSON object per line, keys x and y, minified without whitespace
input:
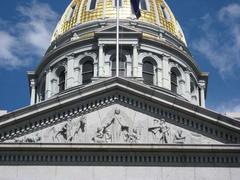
{"x":188,"y":85}
{"x":166,"y":80}
{"x":48,"y":83}
{"x":54,"y":87}
{"x":135,"y":60}
{"x":77,"y":76}
{"x":70,"y":71}
{"x":182,"y":87}
{"x":159,"y":75}
{"x":101,"y":61}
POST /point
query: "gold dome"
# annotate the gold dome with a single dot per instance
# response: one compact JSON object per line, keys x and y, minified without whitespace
{"x":157,"y":12}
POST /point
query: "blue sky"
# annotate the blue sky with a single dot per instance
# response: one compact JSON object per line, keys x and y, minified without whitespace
{"x":211,"y":27}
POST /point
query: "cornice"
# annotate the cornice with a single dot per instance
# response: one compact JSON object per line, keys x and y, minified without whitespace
{"x":79,"y":93}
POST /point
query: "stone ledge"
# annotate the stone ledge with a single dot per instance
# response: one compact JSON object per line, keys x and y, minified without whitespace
{"x":119,"y":155}
{"x":121,"y":147}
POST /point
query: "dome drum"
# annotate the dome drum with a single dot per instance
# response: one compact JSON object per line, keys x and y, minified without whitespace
{"x":137,"y":58}
{"x":150,"y":53}
{"x":134,"y":100}
{"x":150,"y":31}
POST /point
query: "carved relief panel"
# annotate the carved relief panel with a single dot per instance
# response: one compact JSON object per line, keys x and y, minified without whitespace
{"x":115,"y":124}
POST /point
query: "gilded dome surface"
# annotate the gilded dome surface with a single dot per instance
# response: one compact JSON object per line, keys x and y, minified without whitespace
{"x":155,"y":12}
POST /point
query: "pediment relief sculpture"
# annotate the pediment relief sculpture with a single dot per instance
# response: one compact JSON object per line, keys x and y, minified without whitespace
{"x":116,"y":124}
{"x":117,"y":128}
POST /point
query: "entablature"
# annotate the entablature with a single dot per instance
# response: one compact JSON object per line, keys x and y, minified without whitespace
{"x":82,"y":100}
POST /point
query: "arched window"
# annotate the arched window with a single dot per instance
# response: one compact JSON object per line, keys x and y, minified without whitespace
{"x":165,"y":13}
{"x":61,"y":78}
{"x":93,"y":4}
{"x":148,"y":72}
{"x":175,"y":74}
{"x":122,"y":65}
{"x":87,"y":72}
{"x":143,"y":5}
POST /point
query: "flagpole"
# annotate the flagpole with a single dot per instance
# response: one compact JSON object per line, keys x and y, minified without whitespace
{"x":117,"y":43}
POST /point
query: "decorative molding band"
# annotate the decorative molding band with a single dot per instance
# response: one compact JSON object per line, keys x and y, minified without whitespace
{"x":120,"y":155}
{"x":125,"y":99}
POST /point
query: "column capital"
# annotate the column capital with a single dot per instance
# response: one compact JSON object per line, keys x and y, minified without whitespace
{"x":54,"y":80}
{"x":48,"y":70}
{"x":77,"y":68}
{"x":166,"y":56}
{"x":101,"y":44}
{"x":158,"y":69}
{"x":32,"y":82}
{"x":70,"y":56}
{"x":187,"y":71}
{"x":135,"y":45}
{"x":202,"y":84}
{"x":182,"y":81}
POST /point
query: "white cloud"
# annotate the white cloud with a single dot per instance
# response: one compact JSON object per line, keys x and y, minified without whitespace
{"x":28,"y":39}
{"x":231,"y":106}
{"x":7,"y":44}
{"x":231,"y":11}
{"x":220,"y":39}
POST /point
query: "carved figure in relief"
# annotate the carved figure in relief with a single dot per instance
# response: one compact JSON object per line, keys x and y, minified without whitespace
{"x":71,"y":130}
{"x":132,"y":137}
{"x":160,"y":131}
{"x":104,"y":134}
{"x":116,"y":129}
{"x":178,"y":137}
{"x":62,"y":135}
{"x":78,"y":129}
{"x":35,"y":139}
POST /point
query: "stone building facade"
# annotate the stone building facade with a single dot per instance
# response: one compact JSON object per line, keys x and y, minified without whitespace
{"x":149,"y":123}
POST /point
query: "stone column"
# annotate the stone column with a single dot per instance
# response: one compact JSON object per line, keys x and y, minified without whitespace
{"x":166,"y":79}
{"x":182,"y":87}
{"x":129,"y":67}
{"x":38,"y":96}
{"x":202,"y":86}
{"x":48,"y":85}
{"x":77,"y":76}
{"x":135,"y":60}
{"x":101,"y":61}
{"x":159,"y":76}
{"x":33,"y":91}
{"x":70,"y":71}
{"x":95,"y":70}
{"x":140,"y":69}
{"x":188,"y":85}
{"x":54,"y":87}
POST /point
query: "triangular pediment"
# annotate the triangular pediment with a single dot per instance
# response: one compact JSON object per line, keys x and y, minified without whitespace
{"x":118,"y":111}
{"x":124,"y":31}
{"x":116,"y":124}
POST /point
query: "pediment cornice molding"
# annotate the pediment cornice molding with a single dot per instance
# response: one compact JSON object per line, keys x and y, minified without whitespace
{"x":81,"y":100}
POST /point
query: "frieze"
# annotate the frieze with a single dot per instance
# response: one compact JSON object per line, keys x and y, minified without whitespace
{"x":115,"y":124}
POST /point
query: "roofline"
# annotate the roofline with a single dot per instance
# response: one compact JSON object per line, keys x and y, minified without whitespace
{"x":74,"y":94}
